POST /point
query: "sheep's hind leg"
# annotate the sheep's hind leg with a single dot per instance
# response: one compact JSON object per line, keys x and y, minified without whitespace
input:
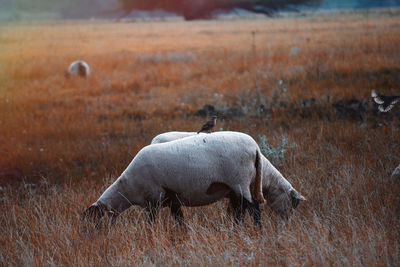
{"x":239,"y":205}
{"x":254,"y":211}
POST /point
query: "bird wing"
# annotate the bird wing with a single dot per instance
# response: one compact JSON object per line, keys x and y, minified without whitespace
{"x":377,"y":97}
{"x":383,"y":108}
{"x":208,"y":124}
{"x":389,"y":104}
{"x":395,"y":100}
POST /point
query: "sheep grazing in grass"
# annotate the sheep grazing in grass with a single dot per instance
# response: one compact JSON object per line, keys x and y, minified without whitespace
{"x":396,"y":173}
{"x":192,"y":171}
{"x":78,"y":68}
{"x":281,"y":196}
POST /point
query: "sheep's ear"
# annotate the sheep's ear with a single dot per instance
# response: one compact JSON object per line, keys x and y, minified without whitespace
{"x":296,"y":198}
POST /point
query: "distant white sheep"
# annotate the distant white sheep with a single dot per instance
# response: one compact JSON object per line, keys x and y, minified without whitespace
{"x":78,"y":68}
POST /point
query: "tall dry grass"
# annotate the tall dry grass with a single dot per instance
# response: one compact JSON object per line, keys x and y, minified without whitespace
{"x":74,"y":136}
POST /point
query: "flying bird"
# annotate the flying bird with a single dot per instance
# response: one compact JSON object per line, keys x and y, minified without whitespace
{"x":385,"y":103}
{"x":209,"y":124}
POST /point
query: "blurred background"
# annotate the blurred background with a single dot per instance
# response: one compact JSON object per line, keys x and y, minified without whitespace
{"x":84,"y":9}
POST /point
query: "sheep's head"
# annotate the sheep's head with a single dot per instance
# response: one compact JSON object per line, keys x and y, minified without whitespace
{"x":94,"y":213}
{"x":296,"y":197}
{"x":282,"y":202}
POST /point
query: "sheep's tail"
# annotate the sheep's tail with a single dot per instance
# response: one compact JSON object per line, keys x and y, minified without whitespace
{"x":257,"y":187}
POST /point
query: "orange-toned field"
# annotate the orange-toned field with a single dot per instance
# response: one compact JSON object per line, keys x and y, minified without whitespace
{"x":64,"y":140}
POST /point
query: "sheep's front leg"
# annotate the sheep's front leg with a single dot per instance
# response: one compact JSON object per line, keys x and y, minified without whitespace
{"x":177,"y":213}
{"x":171,"y":200}
{"x":152,"y":210}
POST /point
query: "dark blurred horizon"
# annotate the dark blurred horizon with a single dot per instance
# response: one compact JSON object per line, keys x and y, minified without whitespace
{"x":16,"y":10}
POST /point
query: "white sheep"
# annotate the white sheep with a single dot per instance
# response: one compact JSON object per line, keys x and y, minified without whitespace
{"x":274,"y":185}
{"x":196,"y":171}
{"x":78,"y":67}
{"x":193,"y":171}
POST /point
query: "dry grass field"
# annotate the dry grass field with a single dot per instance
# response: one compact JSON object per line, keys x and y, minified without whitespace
{"x":63,"y":141}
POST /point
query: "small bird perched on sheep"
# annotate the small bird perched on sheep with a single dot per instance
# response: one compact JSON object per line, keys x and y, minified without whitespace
{"x":209,"y":124}
{"x":78,"y":67}
{"x":385,"y":103}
